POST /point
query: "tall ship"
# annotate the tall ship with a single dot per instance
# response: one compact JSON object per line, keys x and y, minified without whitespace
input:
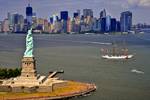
{"x":115,"y":54}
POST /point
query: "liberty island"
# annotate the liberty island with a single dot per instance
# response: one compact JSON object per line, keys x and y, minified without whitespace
{"x":45,"y":87}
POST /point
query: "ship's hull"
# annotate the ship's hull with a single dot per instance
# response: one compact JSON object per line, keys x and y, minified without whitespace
{"x":117,"y":57}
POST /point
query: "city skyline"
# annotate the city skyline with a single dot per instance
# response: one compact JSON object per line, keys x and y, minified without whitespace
{"x":47,"y":8}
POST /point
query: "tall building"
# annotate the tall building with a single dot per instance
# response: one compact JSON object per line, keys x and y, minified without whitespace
{"x":118,"y":26}
{"x":103,"y":24}
{"x":29,"y":13}
{"x":34,"y":20}
{"x":18,"y":23}
{"x":96,"y":25}
{"x":10,"y":17}
{"x":75,"y":15}
{"x":40,"y":24}
{"x":46,"y":26}
{"x":69,"y":25}
{"x":54,"y":19}
{"x":103,"y":13}
{"x":5,"y":26}
{"x":87,"y":12}
{"x":64,"y":19}
{"x":0,"y":26}
{"x":113,"y":24}
{"x":126,"y":21}
{"x":108,"y":23}
{"x":78,"y":11}
{"x":64,"y":15}
{"x":57,"y":27}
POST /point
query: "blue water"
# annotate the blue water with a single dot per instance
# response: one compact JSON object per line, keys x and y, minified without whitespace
{"x":80,"y":57}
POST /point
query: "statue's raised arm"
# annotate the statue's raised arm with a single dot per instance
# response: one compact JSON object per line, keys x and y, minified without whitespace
{"x":29,"y":44}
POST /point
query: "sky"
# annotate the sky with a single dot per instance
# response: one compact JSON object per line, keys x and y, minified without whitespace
{"x":46,"y":8}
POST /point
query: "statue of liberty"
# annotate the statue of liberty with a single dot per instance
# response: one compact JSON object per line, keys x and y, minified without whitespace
{"x":29,"y":44}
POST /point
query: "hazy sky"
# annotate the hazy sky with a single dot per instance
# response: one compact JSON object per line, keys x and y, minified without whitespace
{"x":45,"y":8}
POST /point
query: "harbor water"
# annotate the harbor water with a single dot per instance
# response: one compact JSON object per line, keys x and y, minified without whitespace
{"x":80,"y":58}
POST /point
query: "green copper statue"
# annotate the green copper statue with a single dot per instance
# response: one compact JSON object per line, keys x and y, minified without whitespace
{"x":29,"y":44}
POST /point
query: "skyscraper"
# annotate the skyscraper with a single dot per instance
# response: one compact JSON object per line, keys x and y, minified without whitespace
{"x":75,"y":14}
{"x":18,"y":23}
{"x":29,"y":13}
{"x":78,"y":11}
{"x":126,"y":21}
{"x":108,"y":23}
{"x":87,"y":12}
{"x":103,"y":24}
{"x":10,"y":18}
{"x":69,"y":25}
{"x":64,"y":15}
{"x":113,"y":24}
{"x":5,"y":26}
{"x":103,"y":13}
{"x":118,"y":26}
{"x":64,"y":18}
{"x":0,"y":26}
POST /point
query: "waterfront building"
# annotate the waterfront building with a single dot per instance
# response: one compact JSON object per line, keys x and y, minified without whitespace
{"x":79,"y":12}
{"x":126,"y":21}
{"x":64,"y":18}
{"x":58,"y":27}
{"x":34,"y":20}
{"x":108,"y":23}
{"x":118,"y":26}
{"x":5,"y":26}
{"x":87,"y":12}
{"x":46,"y":26}
{"x":103,"y":14}
{"x":64,"y":26}
{"x":113,"y":25}
{"x":18,"y":23}
{"x":103,"y":24}
{"x":69,"y":25}
{"x":55,"y":24}
{"x":0,"y":26}
{"x":96,"y":25}
{"x":54,"y":19}
{"x":76,"y":24}
{"x":40,"y":24}
{"x":64,"y":15}
{"x":29,"y":13}
{"x":10,"y":17}
{"x":85,"y":27}
{"x":75,"y":15}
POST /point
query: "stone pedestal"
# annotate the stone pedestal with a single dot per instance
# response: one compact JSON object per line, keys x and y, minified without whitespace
{"x":28,"y":67}
{"x":28,"y":74}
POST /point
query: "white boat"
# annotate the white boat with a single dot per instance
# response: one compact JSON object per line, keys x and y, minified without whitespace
{"x":117,"y":57}
{"x":116,"y":54}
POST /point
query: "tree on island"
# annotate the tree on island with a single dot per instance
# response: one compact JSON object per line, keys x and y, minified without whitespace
{"x":9,"y":73}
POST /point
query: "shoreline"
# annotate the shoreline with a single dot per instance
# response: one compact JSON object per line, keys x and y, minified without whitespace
{"x":73,"y":89}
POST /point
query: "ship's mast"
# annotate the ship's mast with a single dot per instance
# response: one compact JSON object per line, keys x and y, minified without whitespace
{"x":114,"y":49}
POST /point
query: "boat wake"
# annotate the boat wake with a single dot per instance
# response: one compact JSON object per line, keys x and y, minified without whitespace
{"x":101,"y":43}
{"x":137,"y":71}
{"x":87,"y":42}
